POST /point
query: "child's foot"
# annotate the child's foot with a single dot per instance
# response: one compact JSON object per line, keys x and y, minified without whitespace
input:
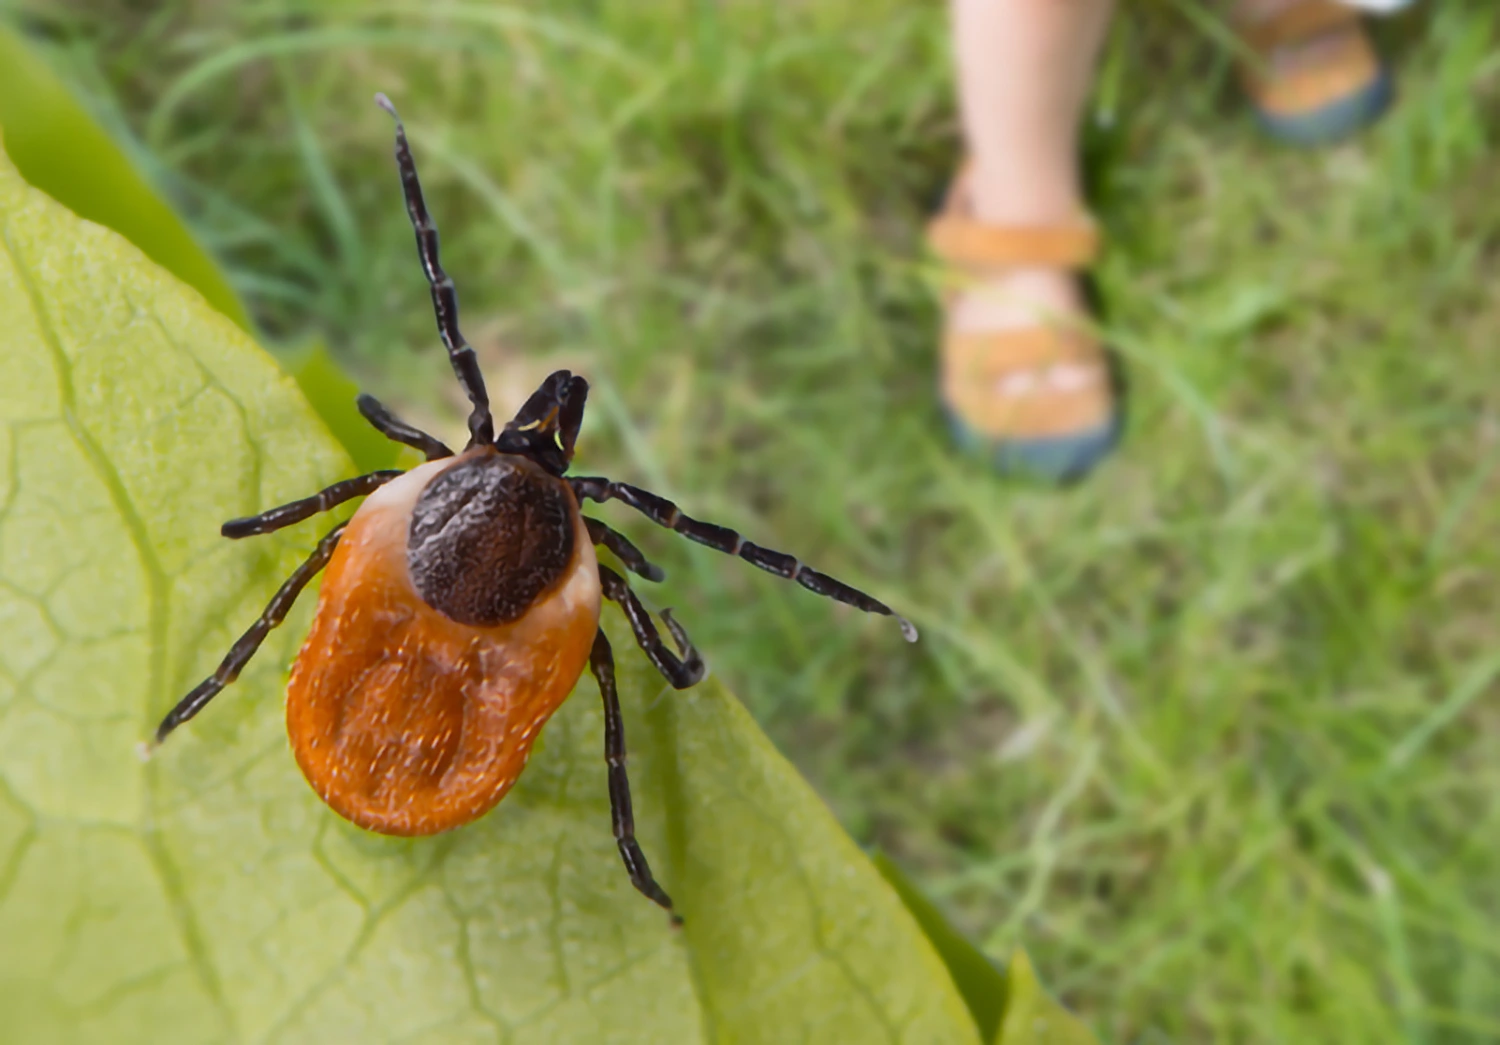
{"x":1315,"y":76}
{"x":1023,"y":380}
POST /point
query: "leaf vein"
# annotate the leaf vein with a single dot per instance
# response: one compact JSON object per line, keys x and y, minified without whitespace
{"x":156,"y":591}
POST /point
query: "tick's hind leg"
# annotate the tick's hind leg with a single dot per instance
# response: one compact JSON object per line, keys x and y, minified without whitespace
{"x":397,"y":430}
{"x":622,"y":816}
{"x":664,"y":513}
{"x":629,"y":555}
{"x":240,"y":653}
{"x":680,"y":673}
{"x":322,"y":501}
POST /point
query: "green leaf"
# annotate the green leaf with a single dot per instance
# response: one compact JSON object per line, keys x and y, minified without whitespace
{"x":57,"y":147}
{"x":331,"y":392}
{"x":1009,"y":1006}
{"x":207,"y":896}
{"x":981,"y":984}
{"x":1034,"y":1017}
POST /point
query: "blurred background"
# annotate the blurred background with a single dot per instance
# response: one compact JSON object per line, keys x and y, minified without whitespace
{"x":1214,"y":732}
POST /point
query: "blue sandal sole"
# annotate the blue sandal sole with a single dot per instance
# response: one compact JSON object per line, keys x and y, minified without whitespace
{"x":1057,"y":459}
{"x":1337,"y":119}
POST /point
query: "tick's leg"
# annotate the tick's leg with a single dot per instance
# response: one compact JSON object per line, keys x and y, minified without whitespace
{"x":444,"y":297}
{"x":397,"y":430}
{"x":627,"y":553}
{"x":602,"y":664}
{"x":240,"y":653}
{"x":664,"y":513}
{"x":287,"y":514}
{"x":680,"y":673}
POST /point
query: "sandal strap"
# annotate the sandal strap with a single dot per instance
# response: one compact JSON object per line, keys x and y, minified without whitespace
{"x":976,"y":365}
{"x":1300,"y":22}
{"x":961,"y":241}
{"x":987,"y":355}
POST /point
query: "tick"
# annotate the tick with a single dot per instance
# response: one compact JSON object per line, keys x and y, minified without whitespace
{"x":460,"y":604}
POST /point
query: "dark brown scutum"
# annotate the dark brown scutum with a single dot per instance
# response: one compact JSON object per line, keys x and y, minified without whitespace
{"x":488,"y":536}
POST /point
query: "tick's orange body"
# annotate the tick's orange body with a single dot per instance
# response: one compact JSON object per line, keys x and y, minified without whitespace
{"x":461,"y":605}
{"x":405,"y":721}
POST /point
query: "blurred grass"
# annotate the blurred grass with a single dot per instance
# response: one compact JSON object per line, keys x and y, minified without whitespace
{"x":1215,"y":732}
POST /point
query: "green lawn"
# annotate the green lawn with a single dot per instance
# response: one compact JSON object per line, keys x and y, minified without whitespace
{"x":1215,"y":733}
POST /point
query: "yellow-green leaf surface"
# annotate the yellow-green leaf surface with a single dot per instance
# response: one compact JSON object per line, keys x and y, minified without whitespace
{"x":331,"y":393}
{"x":1009,"y":1006}
{"x":57,"y":147}
{"x":1034,"y":1017}
{"x":979,"y":982}
{"x":207,"y":896}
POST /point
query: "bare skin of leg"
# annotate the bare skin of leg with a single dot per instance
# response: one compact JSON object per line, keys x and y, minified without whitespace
{"x":1025,"y":69}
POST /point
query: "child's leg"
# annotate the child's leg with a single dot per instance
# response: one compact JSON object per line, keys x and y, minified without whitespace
{"x":1025,"y":69}
{"x":1021,"y":377}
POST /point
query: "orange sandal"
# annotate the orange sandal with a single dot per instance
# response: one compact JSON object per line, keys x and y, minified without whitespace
{"x":1039,"y":400}
{"x":1344,"y":88}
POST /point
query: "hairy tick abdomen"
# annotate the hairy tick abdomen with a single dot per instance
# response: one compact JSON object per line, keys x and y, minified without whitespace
{"x":405,"y":720}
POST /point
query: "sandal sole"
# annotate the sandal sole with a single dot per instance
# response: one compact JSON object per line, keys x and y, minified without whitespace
{"x":1338,"y":119}
{"x":1057,"y":459}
